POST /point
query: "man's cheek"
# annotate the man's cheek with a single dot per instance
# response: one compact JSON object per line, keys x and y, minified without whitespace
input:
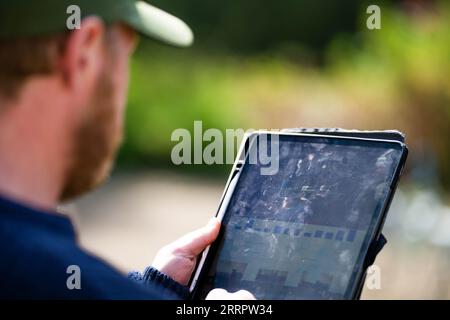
{"x":122,"y":88}
{"x":119,"y":94}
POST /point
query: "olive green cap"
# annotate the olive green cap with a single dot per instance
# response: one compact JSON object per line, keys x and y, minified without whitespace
{"x":28,"y":18}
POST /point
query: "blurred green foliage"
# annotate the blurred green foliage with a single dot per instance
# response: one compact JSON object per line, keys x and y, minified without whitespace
{"x":253,"y":26}
{"x":397,"y":77}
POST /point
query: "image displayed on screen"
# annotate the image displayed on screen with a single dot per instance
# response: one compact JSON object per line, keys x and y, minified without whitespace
{"x":298,"y":234}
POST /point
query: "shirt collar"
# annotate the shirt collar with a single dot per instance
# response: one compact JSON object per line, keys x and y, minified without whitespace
{"x":20,"y":212}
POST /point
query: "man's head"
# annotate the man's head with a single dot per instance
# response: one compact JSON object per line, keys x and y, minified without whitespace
{"x":78,"y":79}
{"x":87,"y":69}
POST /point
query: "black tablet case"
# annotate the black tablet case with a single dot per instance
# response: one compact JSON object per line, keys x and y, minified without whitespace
{"x":378,"y":244}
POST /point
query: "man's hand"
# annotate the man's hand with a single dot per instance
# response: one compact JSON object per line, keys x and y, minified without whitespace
{"x":178,"y":259}
{"x":221,"y":294}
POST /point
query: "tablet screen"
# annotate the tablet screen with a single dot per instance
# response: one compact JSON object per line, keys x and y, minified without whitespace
{"x":303,"y":232}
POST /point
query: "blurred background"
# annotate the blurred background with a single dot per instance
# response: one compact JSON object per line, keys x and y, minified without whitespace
{"x":278,"y":64}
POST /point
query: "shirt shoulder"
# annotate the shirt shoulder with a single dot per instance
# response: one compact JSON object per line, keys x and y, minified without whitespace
{"x":42,"y":260}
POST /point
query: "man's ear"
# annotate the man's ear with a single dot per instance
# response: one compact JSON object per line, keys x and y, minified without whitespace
{"x":82,"y":58}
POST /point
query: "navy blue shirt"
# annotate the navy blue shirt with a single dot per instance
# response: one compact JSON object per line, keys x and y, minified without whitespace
{"x":37,"y":248}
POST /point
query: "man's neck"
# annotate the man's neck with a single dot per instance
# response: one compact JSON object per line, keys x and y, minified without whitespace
{"x":31,"y":170}
{"x":26,"y":186}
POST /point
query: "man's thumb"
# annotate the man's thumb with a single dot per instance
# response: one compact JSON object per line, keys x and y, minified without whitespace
{"x":196,"y":241}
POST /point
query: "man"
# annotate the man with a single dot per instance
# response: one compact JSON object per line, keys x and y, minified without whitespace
{"x":62,"y":97}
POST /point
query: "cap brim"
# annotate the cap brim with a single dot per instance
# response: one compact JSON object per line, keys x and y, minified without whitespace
{"x":160,"y":25}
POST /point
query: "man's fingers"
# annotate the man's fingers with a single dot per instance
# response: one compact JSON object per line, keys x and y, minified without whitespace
{"x":221,"y":294}
{"x":195,"y":242}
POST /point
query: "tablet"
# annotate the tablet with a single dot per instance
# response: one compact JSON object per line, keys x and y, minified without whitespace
{"x":304,"y":230}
